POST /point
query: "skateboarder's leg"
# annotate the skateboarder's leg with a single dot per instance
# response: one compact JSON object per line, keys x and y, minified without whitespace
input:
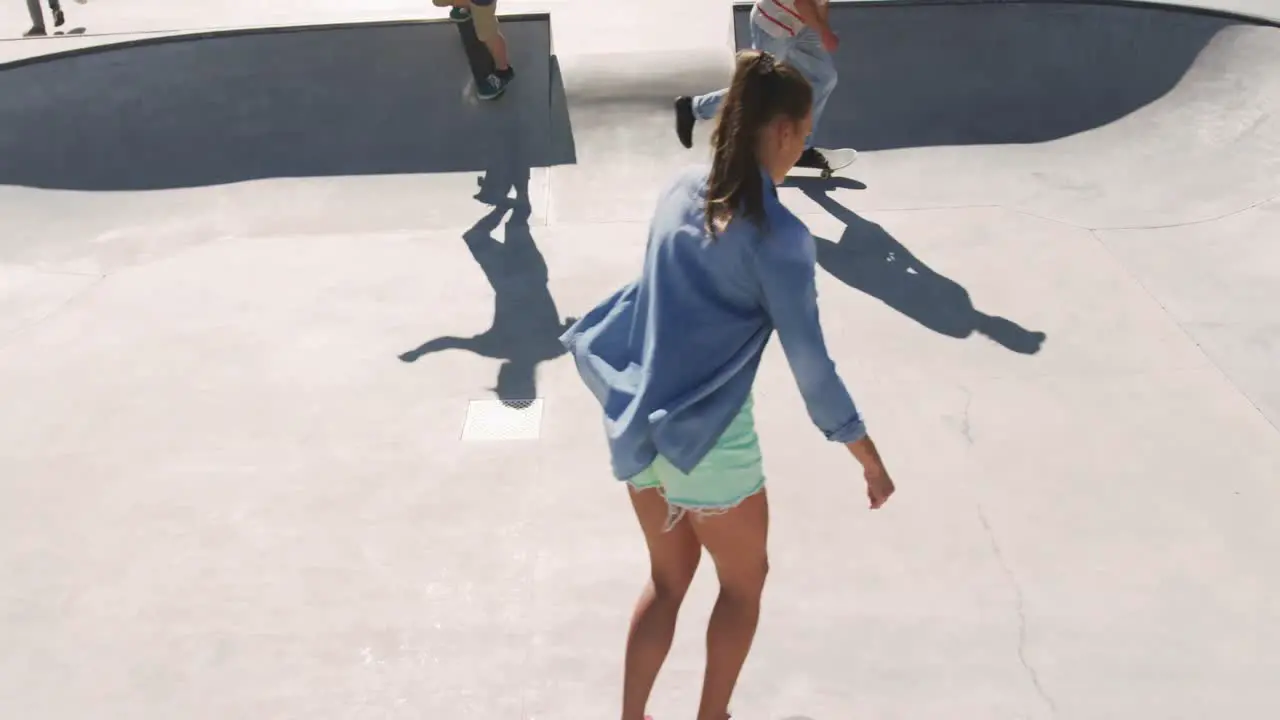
{"x":706,"y":106}
{"x":485,"y":15}
{"x":461,"y":11}
{"x":816,"y":64}
{"x":55,"y":7}
{"x":37,"y":18}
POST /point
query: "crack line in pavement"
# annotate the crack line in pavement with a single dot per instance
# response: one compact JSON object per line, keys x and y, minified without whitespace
{"x":1189,"y":223}
{"x":1022,"y":615}
{"x":1110,"y":228}
{"x":1186,"y":333}
{"x":966,"y":429}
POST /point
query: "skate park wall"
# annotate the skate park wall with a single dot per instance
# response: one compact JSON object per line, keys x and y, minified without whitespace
{"x":976,"y":72}
{"x":310,"y":101}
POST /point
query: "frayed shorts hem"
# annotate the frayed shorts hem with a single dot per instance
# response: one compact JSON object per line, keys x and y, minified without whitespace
{"x":677,"y":509}
{"x":703,"y":505}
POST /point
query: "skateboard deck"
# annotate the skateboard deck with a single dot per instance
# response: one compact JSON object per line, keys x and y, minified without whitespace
{"x":478,"y":56}
{"x":837,"y":158}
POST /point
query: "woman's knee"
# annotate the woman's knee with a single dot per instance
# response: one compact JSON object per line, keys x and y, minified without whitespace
{"x":673,"y":580}
{"x":737,"y":541}
{"x":746,"y":578}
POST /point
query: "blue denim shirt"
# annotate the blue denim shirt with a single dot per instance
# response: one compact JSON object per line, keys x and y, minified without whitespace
{"x":672,"y":356}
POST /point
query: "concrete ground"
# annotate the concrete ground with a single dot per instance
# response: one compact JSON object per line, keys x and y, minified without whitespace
{"x":254,"y":324}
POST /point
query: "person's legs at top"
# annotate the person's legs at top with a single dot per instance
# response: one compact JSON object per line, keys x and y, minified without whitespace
{"x":55,"y":7}
{"x":704,"y":107}
{"x":459,"y":10}
{"x":485,"y":15}
{"x":816,"y":64}
{"x":37,"y":19}
{"x":721,"y":506}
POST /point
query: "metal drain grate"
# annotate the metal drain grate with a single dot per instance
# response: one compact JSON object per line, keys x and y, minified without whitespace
{"x":503,"y":420}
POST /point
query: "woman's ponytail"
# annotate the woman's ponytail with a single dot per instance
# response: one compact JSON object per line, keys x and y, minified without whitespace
{"x":762,"y":90}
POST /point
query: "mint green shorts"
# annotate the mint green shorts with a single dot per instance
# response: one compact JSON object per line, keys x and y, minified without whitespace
{"x":730,"y":473}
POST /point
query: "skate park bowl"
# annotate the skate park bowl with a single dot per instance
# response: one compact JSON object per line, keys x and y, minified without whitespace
{"x":286,"y":430}
{"x":240,"y":105}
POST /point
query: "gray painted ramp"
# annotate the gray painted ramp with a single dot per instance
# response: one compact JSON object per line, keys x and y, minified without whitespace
{"x":233,"y":107}
{"x":993,"y":74}
{"x":255,"y":311}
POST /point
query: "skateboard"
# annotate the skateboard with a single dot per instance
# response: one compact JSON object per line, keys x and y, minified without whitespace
{"x":478,"y":56}
{"x":837,"y":159}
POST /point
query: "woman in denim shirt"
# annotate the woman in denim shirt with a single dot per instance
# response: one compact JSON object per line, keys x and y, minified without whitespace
{"x":672,"y":357}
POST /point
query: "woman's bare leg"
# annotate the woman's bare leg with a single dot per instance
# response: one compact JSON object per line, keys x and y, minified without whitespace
{"x":673,"y":559}
{"x":737,"y":543}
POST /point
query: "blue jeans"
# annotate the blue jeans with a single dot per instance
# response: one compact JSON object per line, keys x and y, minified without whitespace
{"x":804,"y":52}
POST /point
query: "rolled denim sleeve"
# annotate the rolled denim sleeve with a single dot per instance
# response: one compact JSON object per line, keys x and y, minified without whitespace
{"x":785,"y":266}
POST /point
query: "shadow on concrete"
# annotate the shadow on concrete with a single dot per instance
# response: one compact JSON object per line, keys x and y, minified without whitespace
{"x":526,"y":326}
{"x":917,"y":74}
{"x":526,"y":323}
{"x":869,"y":259}
{"x":248,"y":105}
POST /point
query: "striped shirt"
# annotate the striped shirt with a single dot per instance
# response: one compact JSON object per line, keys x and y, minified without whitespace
{"x":778,"y":18}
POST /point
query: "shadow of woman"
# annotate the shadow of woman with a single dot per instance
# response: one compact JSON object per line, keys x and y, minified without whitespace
{"x":869,"y":259}
{"x":526,"y":324}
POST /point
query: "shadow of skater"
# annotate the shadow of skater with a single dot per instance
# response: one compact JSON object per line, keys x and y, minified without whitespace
{"x":526,"y":325}
{"x":869,"y":259}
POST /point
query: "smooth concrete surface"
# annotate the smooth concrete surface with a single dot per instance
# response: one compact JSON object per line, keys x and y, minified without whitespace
{"x":247,"y":294}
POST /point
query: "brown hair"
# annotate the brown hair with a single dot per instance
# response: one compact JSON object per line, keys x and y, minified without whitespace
{"x":762,"y":90}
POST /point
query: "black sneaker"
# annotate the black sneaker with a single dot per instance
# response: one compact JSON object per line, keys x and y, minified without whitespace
{"x":59,"y":18}
{"x":494,"y":85}
{"x":507,"y":75}
{"x":813,"y":158}
{"x":684,"y":120}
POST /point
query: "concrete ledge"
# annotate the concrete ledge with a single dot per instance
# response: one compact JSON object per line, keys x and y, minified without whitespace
{"x":228,"y":106}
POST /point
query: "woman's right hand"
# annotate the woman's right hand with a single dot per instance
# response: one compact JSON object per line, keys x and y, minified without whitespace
{"x":879,"y":484}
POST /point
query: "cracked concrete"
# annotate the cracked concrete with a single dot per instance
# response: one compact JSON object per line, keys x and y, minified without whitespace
{"x":966,"y":428}
{"x":1020,"y":604}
